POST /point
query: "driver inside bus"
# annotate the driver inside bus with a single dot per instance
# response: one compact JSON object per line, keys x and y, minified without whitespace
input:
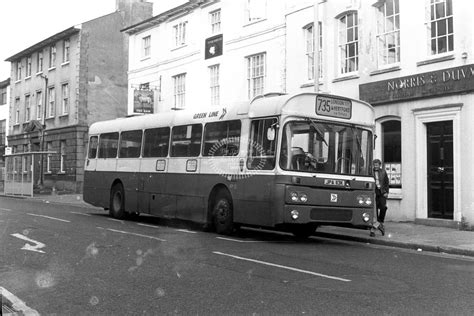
{"x":301,"y":160}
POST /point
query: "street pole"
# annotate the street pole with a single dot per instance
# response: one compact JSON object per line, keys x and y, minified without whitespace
{"x":316,"y":46}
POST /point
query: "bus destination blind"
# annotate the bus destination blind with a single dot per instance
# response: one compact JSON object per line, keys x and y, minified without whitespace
{"x":333,"y":107}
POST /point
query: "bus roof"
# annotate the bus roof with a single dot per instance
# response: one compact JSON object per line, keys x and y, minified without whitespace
{"x":274,"y":104}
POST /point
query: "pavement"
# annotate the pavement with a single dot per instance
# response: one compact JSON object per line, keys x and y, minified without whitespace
{"x":397,"y":234}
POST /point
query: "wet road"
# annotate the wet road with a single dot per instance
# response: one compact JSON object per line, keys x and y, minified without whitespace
{"x":72,"y":260}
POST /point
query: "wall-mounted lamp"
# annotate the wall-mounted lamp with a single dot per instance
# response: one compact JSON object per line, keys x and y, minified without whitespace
{"x":464,"y":55}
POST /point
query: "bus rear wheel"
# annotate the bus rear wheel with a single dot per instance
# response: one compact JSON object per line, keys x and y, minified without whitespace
{"x":117,"y":202}
{"x":222,"y":214}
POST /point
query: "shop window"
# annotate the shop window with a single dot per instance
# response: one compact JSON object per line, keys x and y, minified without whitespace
{"x":392,"y":151}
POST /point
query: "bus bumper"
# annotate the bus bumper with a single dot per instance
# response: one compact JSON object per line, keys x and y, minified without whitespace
{"x":324,"y":215}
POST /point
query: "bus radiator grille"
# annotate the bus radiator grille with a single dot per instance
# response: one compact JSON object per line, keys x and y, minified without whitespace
{"x":331,"y":215}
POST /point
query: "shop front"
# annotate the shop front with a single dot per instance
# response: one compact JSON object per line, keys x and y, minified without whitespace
{"x":431,"y":177}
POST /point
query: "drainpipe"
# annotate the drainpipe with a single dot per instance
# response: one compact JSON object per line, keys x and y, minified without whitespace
{"x":41,"y":179}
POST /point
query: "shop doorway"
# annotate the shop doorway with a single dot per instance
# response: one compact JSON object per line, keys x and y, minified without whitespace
{"x":440,"y":169}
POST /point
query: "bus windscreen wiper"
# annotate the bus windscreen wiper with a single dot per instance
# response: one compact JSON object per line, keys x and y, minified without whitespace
{"x":318,"y":131}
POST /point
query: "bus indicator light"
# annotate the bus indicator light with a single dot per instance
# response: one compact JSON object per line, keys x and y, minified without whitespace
{"x":294,"y":196}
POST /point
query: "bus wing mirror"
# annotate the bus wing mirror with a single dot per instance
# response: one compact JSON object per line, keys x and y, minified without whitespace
{"x":271,"y":133}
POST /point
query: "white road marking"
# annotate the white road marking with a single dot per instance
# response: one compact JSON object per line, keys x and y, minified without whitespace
{"x":237,"y":240}
{"x":283,"y":267}
{"x":29,"y":247}
{"x":17,"y":304}
{"x":6,"y":210}
{"x":115,"y":220}
{"x":179,"y":230}
{"x":130,"y":233}
{"x":49,"y":217}
{"x":146,"y":225}
{"x":79,"y":213}
{"x":186,"y":231}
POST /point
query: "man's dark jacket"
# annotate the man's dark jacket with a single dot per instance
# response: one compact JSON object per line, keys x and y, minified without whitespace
{"x":384,"y":182}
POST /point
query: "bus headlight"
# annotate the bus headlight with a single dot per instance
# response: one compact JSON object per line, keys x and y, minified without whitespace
{"x":294,"y":214}
{"x":294,"y":196}
{"x":368,"y":201}
{"x":366,"y":217}
{"x":303,"y":198}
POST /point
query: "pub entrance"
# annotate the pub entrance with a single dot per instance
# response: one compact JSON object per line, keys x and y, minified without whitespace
{"x":440,"y":169}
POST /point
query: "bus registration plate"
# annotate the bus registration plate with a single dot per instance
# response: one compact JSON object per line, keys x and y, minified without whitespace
{"x":335,"y":182}
{"x":333,"y":107}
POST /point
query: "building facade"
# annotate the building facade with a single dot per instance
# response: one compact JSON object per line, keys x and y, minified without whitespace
{"x":4,"y":108}
{"x":64,"y":83}
{"x":413,"y":60}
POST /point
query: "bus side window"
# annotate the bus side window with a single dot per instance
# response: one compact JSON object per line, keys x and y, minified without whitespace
{"x":156,"y":142}
{"x":130,"y":144}
{"x":108,"y":144}
{"x":186,"y":140}
{"x":93,"y":142}
{"x":222,"y":138}
{"x":262,"y":150}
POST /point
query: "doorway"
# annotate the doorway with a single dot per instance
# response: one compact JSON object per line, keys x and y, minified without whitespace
{"x":440,"y":171}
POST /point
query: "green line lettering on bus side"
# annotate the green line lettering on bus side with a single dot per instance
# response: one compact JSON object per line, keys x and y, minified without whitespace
{"x":200,"y":115}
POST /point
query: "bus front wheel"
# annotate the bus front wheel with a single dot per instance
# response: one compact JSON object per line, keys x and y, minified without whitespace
{"x":117,"y":202}
{"x":222,"y":213}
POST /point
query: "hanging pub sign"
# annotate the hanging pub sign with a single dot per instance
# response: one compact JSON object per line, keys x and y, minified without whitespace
{"x":213,"y":46}
{"x":143,"y":101}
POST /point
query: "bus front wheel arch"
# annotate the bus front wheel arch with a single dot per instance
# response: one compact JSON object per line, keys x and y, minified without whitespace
{"x":223,"y":213}
{"x":117,"y":201}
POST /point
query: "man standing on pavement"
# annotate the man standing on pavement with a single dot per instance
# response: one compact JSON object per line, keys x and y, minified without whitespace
{"x":381,"y":194}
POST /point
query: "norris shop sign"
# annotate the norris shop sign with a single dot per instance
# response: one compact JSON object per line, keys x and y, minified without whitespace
{"x":424,"y":85}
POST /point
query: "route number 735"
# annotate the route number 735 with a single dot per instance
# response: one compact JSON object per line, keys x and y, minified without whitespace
{"x":333,"y":107}
{"x":324,"y":105}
